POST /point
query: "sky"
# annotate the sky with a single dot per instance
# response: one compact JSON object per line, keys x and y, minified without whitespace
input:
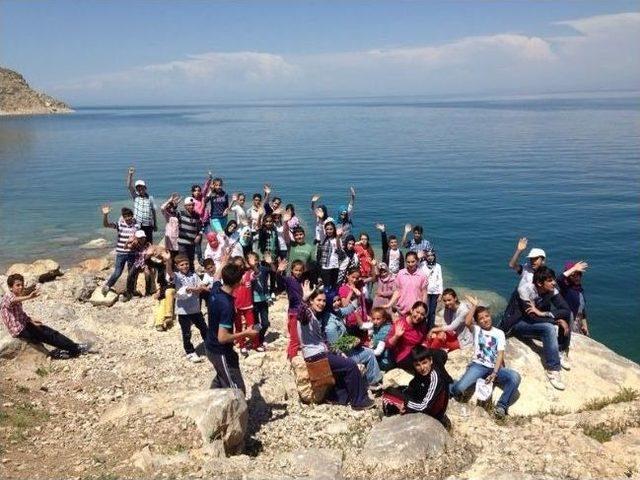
{"x":178,"y":52}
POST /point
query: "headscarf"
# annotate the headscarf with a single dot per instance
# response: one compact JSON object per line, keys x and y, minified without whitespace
{"x":426,"y":257}
{"x":212,"y":238}
{"x":244,"y":242}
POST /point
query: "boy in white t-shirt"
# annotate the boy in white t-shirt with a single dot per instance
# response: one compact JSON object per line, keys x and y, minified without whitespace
{"x":488,"y":358}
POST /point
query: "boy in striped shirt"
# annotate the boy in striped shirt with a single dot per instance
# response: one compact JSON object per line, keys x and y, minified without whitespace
{"x":190,"y":230}
{"x":126,"y":228}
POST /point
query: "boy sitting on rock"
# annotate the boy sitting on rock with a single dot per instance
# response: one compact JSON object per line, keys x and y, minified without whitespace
{"x":488,"y":358}
{"x":428,"y":392}
{"x":20,"y":325}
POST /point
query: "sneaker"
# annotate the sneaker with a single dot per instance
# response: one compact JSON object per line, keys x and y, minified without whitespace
{"x":500,"y":412}
{"x":194,"y":358}
{"x":125,"y":297}
{"x":367,"y":405}
{"x":564,"y":360}
{"x":555,"y":379}
{"x":105,"y":290}
{"x":244,"y":351}
{"x":261,"y":348}
{"x":86,"y":348}
{"x":160,"y":328}
{"x":58,"y":354}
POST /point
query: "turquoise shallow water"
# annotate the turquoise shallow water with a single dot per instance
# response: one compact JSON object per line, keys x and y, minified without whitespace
{"x":475,"y":174}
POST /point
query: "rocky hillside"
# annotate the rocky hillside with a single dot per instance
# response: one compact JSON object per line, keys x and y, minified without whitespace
{"x":17,"y":98}
{"x":139,"y":409}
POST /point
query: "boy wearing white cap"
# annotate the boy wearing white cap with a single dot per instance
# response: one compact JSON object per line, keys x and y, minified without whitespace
{"x":536,"y":259}
{"x":144,"y":209}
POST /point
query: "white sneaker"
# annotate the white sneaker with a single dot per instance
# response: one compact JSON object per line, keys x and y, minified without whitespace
{"x":555,"y":379}
{"x":194,"y":358}
{"x":564,"y":360}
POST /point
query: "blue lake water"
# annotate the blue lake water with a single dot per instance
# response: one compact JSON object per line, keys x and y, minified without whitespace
{"x":476,"y":174}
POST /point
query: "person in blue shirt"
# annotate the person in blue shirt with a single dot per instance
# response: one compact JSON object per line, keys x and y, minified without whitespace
{"x":220,"y":336}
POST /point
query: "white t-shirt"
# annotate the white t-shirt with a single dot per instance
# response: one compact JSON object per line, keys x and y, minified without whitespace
{"x":255,"y":214}
{"x":526,"y":289}
{"x":487,"y":344}
{"x":282,"y":244}
{"x":334,"y":260}
{"x":394,"y":261}
{"x":434,"y":275}
{"x":455,"y":323}
{"x":241,"y":216}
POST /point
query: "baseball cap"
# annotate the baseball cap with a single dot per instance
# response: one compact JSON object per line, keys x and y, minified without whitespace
{"x":189,"y":201}
{"x":536,"y":252}
{"x":140,"y":183}
{"x":140,"y":234}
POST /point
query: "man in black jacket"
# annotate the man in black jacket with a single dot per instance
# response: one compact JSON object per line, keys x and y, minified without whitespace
{"x":546,"y":318}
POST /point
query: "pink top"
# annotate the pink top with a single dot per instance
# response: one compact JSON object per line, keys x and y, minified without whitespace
{"x":413,"y":335}
{"x":385,"y":287}
{"x":201,"y":205}
{"x":411,"y":287}
{"x":171,"y":231}
{"x":351,"y":320}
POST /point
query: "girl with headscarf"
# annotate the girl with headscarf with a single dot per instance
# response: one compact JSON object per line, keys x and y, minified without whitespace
{"x":350,"y":259}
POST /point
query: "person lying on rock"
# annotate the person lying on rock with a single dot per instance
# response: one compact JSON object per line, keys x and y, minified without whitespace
{"x":488,"y":358}
{"x":22,"y":326}
{"x":428,"y":391}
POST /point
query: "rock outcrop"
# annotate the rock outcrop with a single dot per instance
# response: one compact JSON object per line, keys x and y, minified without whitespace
{"x":138,"y":408}
{"x":403,"y":441}
{"x":39,"y":271}
{"x":17,"y":98}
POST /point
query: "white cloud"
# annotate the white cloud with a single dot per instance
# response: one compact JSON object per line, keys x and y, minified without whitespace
{"x":601,"y":53}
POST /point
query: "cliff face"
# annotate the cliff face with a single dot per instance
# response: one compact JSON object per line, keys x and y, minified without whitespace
{"x":17,"y":98}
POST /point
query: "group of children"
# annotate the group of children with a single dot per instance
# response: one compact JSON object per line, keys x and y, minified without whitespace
{"x":357,"y":315}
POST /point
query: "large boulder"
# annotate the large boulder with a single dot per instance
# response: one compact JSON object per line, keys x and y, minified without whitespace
{"x":220,"y":415}
{"x":40,"y":270}
{"x":404,"y":440}
{"x":15,"y":349}
{"x":596,"y":372}
{"x":99,"y":300}
{"x":79,"y":284}
{"x":95,"y":264}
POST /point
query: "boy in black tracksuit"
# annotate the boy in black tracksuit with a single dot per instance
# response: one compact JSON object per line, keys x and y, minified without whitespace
{"x":428,"y":392}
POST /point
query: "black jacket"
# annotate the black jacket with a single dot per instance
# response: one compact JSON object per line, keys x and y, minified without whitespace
{"x":551,"y":302}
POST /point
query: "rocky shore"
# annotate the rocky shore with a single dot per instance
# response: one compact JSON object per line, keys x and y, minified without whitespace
{"x":18,"y":98}
{"x":139,"y":409}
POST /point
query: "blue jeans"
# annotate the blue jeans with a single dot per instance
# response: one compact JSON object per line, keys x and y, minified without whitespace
{"x":123,"y":259}
{"x":552,"y":337}
{"x":432,"y":302}
{"x":506,"y":378}
{"x":366,"y":357}
{"x":261,"y":314}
